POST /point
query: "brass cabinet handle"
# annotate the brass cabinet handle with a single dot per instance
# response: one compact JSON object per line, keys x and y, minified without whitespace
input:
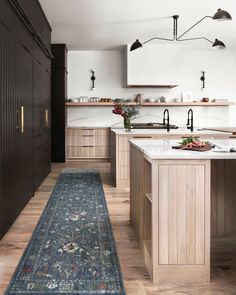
{"x":22,"y":119}
{"x":87,"y":135}
{"x":46,"y":118}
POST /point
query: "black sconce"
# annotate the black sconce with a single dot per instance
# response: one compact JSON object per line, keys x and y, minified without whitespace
{"x":202,"y":78}
{"x":93,"y":78}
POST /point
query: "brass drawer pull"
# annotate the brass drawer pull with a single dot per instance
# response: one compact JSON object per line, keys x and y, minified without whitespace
{"x":87,"y":129}
{"x":46,"y":118}
{"x":87,"y":146}
{"x":84,"y":135}
{"x":21,"y":112}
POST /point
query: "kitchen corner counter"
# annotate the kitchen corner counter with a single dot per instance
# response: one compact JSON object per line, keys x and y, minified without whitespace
{"x":162,"y":149}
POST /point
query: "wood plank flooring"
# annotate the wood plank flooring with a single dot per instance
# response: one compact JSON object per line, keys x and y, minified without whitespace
{"x":137,"y":281}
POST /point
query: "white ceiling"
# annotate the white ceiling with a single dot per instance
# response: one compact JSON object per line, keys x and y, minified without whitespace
{"x":109,"y":24}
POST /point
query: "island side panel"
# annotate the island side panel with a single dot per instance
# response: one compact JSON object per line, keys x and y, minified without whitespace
{"x":136,"y":192}
{"x":113,"y":158}
{"x":223,"y":198}
{"x":181,"y":221}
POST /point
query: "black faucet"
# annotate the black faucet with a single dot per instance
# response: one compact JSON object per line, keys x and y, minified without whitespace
{"x":190,"y":120}
{"x":166,"y":121}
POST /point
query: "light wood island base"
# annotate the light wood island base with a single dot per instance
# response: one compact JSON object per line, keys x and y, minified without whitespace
{"x":170,"y":211}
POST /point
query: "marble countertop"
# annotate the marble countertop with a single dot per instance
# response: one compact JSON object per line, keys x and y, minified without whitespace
{"x":120,"y":131}
{"x":162,"y":150}
{"x":88,"y":126}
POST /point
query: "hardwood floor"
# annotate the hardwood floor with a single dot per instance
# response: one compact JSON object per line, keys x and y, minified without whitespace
{"x":137,"y":281}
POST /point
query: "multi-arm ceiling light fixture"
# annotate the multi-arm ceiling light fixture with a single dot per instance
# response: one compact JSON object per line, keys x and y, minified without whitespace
{"x":220,"y":15}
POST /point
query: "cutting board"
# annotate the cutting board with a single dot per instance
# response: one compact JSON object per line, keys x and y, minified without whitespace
{"x":223,"y":129}
{"x":200,"y":149}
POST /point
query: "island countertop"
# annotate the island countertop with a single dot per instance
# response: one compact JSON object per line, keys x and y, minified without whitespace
{"x":162,"y":149}
{"x":179,"y":131}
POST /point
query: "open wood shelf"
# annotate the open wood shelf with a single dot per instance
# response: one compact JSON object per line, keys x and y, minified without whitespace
{"x":151,"y":86}
{"x":148,"y":104}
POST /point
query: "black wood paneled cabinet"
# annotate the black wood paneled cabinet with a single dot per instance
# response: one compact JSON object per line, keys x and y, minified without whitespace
{"x":25,"y":87}
{"x":59,"y":96}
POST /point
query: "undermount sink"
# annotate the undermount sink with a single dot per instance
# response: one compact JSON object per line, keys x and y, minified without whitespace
{"x":151,"y":126}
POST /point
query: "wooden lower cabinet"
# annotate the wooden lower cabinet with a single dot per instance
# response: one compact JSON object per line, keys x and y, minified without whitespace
{"x":170,"y":212}
{"x":87,"y":143}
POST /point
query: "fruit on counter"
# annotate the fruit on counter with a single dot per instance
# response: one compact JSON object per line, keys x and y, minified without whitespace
{"x":192,"y":142}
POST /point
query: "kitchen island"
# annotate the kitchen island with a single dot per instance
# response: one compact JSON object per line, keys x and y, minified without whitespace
{"x":120,"y":160}
{"x":179,"y":200}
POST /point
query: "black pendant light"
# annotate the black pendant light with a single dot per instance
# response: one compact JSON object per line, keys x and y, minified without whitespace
{"x":218,"y":44}
{"x":136,"y":45}
{"x":219,"y":15}
{"x":222,"y":15}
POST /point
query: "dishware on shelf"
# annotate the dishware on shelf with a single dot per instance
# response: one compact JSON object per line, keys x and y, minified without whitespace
{"x":205,"y":99}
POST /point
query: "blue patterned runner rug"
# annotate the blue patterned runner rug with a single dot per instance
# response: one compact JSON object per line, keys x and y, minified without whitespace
{"x":72,"y":250}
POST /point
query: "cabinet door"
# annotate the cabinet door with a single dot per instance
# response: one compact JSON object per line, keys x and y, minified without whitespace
{"x":38,"y":112}
{"x":41,"y":122}
{"x":25,"y":140}
{"x":8,"y":131}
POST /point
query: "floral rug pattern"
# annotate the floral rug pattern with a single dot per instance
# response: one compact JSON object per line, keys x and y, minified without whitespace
{"x":72,"y":250}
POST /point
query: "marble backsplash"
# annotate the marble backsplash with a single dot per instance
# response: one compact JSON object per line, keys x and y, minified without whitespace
{"x":103,"y":116}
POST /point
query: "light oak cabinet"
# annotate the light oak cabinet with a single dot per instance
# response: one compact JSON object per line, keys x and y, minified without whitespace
{"x":89,"y":143}
{"x":170,"y":212}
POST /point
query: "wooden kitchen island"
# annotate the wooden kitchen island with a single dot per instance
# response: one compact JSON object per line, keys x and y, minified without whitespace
{"x":179,"y":200}
{"x":120,"y":148}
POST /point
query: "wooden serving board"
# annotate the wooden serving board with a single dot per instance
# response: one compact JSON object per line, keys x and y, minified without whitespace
{"x":205,"y":148}
{"x":223,"y":129}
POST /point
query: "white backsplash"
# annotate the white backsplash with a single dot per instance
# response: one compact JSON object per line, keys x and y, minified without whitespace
{"x":103,"y":116}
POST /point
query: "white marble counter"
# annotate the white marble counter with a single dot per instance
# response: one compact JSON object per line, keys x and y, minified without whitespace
{"x":163,"y":131}
{"x":89,"y":126}
{"x":162,"y":149}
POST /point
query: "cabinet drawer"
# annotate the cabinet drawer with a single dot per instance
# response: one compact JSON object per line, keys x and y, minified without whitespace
{"x":102,"y":140}
{"x":80,"y":152}
{"x":102,"y":152}
{"x":86,"y":131}
{"x":86,"y":140}
{"x":102,"y":132}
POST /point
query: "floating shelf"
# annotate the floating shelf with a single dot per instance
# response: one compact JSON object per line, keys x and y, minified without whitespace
{"x":151,"y":86}
{"x":149,"y":104}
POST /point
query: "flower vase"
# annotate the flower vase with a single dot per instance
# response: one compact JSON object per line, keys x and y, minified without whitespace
{"x":127,"y":126}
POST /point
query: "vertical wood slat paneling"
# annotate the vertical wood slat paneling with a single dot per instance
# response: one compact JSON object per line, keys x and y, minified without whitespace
{"x":11,"y":155}
{"x":200,"y":215}
{"x":163,"y":214}
{"x":182,"y":211}
{"x":173,"y":209}
{"x":8,"y":98}
{"x":213,"y":199}
{"x":191,"y":214}
{"x":181,"y":214}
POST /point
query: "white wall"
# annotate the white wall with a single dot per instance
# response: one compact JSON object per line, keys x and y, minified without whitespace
{"x":220,"y":67}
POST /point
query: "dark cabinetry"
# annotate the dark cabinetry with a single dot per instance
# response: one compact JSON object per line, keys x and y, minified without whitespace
{"x":24,"y":105}
{"x":59,"y":95}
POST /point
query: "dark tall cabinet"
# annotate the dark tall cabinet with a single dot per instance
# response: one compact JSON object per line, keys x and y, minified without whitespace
{"x":25,"y":70}
{"x":59,"y":95}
